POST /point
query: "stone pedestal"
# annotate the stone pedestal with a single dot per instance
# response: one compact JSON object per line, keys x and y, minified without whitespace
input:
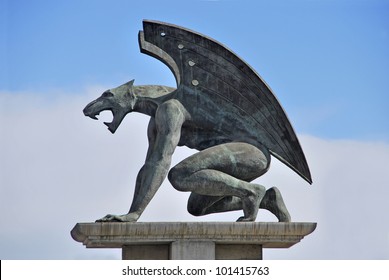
{"x":191,"y":240}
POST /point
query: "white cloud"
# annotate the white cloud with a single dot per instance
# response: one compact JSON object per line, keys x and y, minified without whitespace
{"x":59,"y":168}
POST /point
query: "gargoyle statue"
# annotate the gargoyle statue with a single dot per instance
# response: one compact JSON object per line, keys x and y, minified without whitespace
{"x":222,"y":108}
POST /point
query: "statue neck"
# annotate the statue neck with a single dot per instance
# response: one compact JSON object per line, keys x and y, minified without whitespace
{"x":148,"y":98}
{"x":146,"y":105}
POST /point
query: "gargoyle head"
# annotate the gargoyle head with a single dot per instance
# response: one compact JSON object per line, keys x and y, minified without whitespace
{"x":120,"y":101}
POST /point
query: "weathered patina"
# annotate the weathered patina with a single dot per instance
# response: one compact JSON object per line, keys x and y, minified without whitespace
{"x":220,"y":107}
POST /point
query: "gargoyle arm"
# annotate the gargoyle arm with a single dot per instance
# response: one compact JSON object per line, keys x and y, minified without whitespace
{"x":164,"y":135}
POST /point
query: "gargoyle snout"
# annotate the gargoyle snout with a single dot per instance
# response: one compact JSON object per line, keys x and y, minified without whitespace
{"x":85,"y":111}
{"x":88,"y":111}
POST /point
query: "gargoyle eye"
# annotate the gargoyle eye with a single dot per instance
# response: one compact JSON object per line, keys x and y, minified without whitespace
{"x":107,"y":94}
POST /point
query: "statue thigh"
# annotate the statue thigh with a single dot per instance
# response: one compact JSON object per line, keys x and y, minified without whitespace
{"x":239,"y":160}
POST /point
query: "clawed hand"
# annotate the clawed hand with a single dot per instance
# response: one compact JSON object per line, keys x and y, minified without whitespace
{"x":130,"y":217}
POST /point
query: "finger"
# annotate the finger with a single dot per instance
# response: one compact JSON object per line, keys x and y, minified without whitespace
{"x":106,"y":218}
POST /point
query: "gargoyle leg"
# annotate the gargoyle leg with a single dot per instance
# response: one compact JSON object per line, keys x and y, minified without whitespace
{"x":199,"y":205}
{"x":224,"y":171}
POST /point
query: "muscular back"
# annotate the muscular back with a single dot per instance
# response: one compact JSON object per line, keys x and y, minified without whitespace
{"x":205,"y":124}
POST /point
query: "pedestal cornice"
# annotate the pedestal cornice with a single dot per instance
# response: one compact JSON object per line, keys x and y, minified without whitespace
{"x":117,"y":235}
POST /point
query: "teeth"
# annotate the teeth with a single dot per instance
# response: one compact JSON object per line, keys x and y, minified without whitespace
{"x":94,"y":116}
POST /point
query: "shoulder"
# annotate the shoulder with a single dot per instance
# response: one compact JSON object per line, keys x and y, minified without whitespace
{"x":170,"y":115}
{"x":171,"y":105}
{"x":171,"y":109}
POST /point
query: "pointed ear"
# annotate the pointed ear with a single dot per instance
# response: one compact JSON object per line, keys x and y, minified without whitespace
{"x":129,"y":85}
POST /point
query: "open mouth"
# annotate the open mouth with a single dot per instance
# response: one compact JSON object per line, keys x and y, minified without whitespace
{"x":106,"y":114}
{"x":94,"y":109}
{"x":95,"y":114}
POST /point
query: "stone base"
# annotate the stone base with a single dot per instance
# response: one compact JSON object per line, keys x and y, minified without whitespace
{"x":192,"y":250}
{"x":191,"y":240}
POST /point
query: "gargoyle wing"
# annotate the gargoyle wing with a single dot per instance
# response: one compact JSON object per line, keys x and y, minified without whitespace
{"x":219,"y":74}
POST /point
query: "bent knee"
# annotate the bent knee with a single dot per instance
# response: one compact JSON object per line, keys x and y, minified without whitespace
{"x":176,"y":177}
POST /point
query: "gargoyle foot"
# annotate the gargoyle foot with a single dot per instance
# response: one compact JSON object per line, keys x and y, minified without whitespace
{"x":274,"y":202}
{"x":251,"y":203}
{"x":130,"y":217}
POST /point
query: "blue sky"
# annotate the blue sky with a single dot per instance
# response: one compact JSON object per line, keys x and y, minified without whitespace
{"x":326,"y":61}
{"x":329,"y":57}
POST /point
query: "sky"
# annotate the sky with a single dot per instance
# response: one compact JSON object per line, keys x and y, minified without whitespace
{"x":326,"y":61}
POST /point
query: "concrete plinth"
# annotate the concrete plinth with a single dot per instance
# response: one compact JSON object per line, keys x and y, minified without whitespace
{"x":191,"y":240}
